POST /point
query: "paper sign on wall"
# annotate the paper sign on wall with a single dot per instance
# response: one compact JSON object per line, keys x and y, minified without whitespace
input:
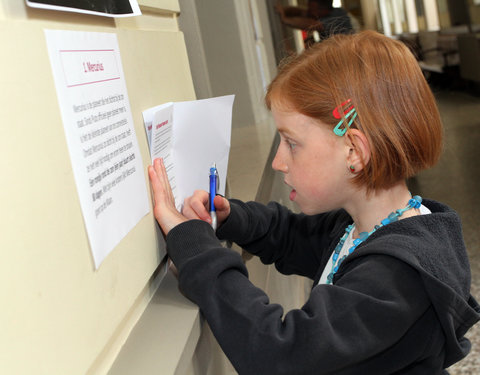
{"x":190,"y":136}
{"x":100,"y":135}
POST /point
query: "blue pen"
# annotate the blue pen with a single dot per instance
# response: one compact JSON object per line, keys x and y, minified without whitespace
{"x":213,"y":192}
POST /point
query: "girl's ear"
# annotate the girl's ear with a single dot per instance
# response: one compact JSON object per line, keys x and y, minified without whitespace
{"x":358,"y":150}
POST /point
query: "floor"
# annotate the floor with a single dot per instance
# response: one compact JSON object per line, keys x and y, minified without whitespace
{"x":454,"y":181}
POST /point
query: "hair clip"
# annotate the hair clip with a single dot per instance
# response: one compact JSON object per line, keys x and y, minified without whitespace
{"x":348,"y":110}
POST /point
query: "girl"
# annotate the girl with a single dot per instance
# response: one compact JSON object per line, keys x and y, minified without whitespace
{"x":391,"y":290}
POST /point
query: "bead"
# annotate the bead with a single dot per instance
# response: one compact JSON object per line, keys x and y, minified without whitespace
{"x":418,"y":198}
{"x":414,"y":202}
{"x":392,"y":217}
{"x":363,"y":236}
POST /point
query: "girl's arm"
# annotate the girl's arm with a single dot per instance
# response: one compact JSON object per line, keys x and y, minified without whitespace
{"x":296,"y":243}
{"x":348,"y":326}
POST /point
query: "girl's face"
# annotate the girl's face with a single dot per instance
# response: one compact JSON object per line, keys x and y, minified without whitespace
{"x":313,"y":160}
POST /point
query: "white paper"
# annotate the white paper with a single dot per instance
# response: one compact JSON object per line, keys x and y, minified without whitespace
{"x":148,"y":115}
{"x":106,"y":8}
{"x":203,"y":139}
{"x":201,"y":132}
{"x":100,"y":135}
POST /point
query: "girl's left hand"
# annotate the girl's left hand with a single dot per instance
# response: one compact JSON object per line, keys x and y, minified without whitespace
{"x":164,"y":209}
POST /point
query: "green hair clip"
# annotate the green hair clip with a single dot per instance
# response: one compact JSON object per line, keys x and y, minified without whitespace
{"x":348,"y":110}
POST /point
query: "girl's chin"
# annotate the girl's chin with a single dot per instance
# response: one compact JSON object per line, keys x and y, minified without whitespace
{"x":306,"y":209}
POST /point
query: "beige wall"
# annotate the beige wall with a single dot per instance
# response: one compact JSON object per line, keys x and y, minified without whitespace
{"x":59,"y":315}
{"x":222,"y":45}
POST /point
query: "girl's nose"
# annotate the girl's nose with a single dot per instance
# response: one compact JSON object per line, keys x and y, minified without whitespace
{"x":278,"y":164}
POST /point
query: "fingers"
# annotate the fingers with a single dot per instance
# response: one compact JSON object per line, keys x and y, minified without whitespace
{"x":162,"y":193}
{"x":222,"y":206}
{"x":196,"y":206}
{"x":164,"y":209}
{"x":165,"y":181}
{"x":154,"y":179}
{"x":154,"y":173}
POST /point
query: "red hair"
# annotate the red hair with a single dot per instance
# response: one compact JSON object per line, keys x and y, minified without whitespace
{"x":396,"y":108}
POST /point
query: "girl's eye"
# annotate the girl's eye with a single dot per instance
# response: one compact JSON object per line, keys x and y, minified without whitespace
{"x":290,"y":144}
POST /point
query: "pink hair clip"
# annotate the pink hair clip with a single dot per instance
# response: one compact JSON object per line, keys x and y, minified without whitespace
{"x":348,"y":110}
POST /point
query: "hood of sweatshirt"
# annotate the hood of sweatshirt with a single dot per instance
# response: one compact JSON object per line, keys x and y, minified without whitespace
{"x":433,"y":244}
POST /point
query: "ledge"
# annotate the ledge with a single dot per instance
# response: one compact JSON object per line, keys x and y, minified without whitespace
{"x":164,"y":339}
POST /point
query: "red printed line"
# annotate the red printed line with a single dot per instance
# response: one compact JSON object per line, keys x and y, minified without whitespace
{"x":86,"y":50}
{"x":89,"y":83}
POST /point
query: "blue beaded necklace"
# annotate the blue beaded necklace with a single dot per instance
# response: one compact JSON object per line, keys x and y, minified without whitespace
{"x":414,"y":202}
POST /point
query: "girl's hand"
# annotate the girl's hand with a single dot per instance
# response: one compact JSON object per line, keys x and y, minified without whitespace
{"x":164,"y":203}
{"x":196,"y":207}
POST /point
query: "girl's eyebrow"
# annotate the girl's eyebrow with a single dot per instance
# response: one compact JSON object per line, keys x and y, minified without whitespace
{"x":285,"y":132}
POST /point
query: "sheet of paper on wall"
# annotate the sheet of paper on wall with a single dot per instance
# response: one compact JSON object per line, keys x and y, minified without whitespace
{"x":106,"y":8}
{"x":100,"y":135}
{"x":190,"y":136}
{"x":148,"y":115}
{"x":160,"y":134}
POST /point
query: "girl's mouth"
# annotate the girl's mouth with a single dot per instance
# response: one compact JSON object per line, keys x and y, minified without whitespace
{"x":293,"y":194}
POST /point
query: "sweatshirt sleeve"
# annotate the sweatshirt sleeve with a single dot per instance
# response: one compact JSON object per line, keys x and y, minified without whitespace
{"x":296,"y":243}
{"x":340,"y":326}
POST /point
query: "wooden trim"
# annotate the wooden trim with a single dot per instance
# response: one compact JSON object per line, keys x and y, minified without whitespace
{"x":159,"y":6}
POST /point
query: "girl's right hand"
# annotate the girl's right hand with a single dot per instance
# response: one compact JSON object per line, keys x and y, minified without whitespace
{"x":196,"y":207}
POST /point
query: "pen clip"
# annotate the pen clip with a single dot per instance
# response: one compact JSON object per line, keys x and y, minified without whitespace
{"x":214,"y":172}
{"x":213,"y":178}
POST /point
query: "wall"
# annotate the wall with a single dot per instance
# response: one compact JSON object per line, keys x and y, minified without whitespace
{"x":474,"y":8}
{"x":369,"y":14}
{"x":221,"y":44}
{"x":59,"y":315}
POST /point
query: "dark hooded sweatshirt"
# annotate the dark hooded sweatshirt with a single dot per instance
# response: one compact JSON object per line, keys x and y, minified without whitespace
{"x":400,"y":304}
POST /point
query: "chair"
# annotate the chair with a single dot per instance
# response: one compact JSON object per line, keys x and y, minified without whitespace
{"x":438,"y":52}
{"x":469,"y":51}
